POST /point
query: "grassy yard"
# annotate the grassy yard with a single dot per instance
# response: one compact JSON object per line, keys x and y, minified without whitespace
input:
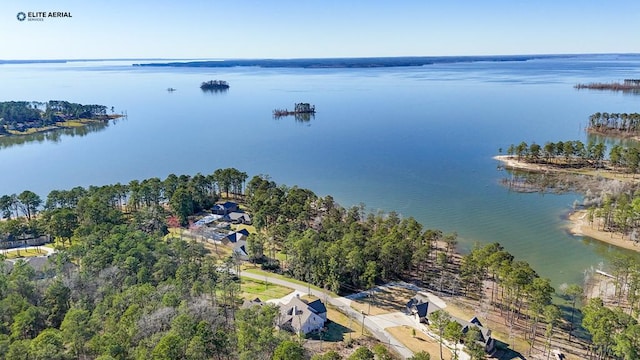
{"x":265,"y":291}
{"x":421,"y":342}
{"x":255,"y":269}
{"x":20,"y":253}
{"x":238,"y":227}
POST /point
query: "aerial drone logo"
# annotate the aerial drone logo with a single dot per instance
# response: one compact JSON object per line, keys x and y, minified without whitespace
{"x":21,"y":16}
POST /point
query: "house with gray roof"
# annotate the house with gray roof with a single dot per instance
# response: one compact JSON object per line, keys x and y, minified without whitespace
{"x":299,"y":316}
{"x":237,"y":217}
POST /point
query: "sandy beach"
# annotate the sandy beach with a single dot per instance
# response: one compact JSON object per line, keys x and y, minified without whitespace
{"x":511,"y":162}
{"x":579,"y":225}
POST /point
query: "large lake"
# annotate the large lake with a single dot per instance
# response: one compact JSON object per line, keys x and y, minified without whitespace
{"x":417,"y":140}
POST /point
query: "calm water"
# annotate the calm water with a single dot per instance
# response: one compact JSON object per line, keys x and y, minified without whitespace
{"x":415,"y":140}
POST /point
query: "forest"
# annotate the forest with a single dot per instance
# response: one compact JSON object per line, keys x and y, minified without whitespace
{"x":24,"y":115}
{"x":124,"y":290}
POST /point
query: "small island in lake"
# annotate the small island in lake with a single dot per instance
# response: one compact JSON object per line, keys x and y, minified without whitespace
{"x":628,"y":85}
{"x":214,"y":85}
{"x":28,"y":117}
{"x":299,"y":108}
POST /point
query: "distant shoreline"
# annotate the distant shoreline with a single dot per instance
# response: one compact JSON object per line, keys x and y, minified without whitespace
{"x":361,"y":62}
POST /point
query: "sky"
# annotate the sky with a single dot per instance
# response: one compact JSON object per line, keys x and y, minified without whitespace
{"x":316,"y":28}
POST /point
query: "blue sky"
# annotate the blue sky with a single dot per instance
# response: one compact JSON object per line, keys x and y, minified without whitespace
{"x":317,"y":28}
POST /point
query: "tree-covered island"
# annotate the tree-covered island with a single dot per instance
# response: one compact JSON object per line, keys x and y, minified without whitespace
{"x":298,"y":109}
{"x":214,"y":85}
{"x":27,"y":117}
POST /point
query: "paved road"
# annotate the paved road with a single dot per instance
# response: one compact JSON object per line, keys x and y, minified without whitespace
{"x":372,"y":326}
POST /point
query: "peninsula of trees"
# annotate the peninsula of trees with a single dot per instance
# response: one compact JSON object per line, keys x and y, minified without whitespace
{"x":25,"y":117}
{"x":214,"y":85}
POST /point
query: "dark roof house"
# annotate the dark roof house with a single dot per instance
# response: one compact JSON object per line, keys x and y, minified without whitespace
{"x":224,"y":209}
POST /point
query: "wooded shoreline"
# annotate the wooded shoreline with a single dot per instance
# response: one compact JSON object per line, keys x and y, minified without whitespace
{"x":578,"y":223}
{"x":70,"y":124}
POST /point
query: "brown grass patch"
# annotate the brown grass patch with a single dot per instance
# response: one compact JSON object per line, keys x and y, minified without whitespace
{"x":384,"y":301}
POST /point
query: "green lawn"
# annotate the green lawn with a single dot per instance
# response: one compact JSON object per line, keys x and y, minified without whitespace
{"x":255,"y":270}
{"x":265,"y":291}
{"x":19,"y":253}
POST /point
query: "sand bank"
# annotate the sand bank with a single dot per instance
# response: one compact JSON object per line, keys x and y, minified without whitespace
{"x":579,"y":225}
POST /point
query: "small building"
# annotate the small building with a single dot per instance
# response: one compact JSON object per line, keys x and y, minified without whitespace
{"x":226,"y":208}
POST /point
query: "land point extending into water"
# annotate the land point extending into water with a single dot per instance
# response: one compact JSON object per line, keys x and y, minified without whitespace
{"x":579,"y":224}
{"x":18,"y":118}
{"x":69,"y":124}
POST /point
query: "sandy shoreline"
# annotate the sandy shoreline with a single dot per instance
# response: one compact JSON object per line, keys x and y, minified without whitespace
{"x":579,"y":225}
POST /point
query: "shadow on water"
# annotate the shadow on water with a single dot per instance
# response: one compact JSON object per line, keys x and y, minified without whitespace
{"x":55,"y":135}
{"x":299,"y":118}
{"x":215,"y":90}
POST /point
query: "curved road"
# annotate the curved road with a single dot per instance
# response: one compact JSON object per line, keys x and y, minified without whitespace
{"x":343,"y":304}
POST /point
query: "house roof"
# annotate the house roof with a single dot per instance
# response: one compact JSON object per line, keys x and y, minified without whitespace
{"x":244,"y":232}
{"x":318,"y":306}
{"x":250,"y":303}
{"x":234,"y":237}
{"x":236,"y":215}
{"x":229,"y":204}
{"x":240,"y":248}
{"x":422,"y":306}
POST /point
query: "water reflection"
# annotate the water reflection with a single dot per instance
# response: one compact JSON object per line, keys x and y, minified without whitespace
{"x":55,"y":135}
{"x":215,"y":90}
